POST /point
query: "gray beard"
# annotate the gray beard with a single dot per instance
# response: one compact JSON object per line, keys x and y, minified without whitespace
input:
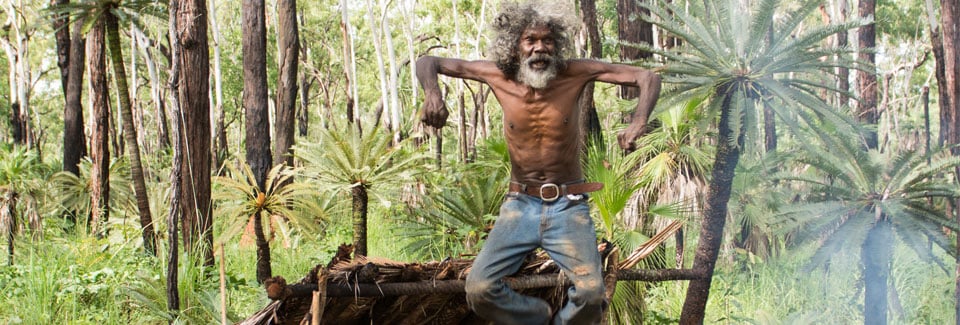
{"x":536,"y":79}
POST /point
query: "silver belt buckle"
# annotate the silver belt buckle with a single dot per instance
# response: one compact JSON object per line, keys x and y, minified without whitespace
{"x":549,"y":185}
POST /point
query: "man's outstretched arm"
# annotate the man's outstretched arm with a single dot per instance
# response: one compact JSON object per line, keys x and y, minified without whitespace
{"x":434,"y":111}
{"x":627,"y":75}
{"x":429,"y":67}
{"x":649,"y":84}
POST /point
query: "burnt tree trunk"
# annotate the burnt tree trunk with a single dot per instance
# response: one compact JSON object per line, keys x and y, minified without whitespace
{"x":289,"y":43}
{"x":255,"y":108}
{"x":74,"y":146}
{"x":194,"y":95}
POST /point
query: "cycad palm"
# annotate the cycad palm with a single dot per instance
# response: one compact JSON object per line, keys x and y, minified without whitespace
{"x":363,"y":164}
{"x":736,"y":57}
{"x":244,"y":204}
{"x":863,"y":198}
{"x":453,"y":221}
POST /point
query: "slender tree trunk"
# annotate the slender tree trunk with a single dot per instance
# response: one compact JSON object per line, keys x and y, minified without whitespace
{"x":194,"y":101}
{"x":289,"y":43}
{"x":257,"y":119}
{"x":15,"y":42}
{"x":100,"y":145}
{"x":72,"y":119}
{"x":61,"y":26}
{"x":867,"y":79}
{"x":876,"y":255}
{"x":176,"y":173}
{"x":130,"y":133}
{"x":589,"y":119}
{"x":360,"y":201}
{"x":715,"y":216}
{"x":632,"y":29}
{"x":843,"y":73}
{"x":220,"y":143}
{"x":156,"y":90}
{"x":74,"y":144}
{"x":353,"y":117}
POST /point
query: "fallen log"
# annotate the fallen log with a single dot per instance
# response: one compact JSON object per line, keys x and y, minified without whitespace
{"x":456,"y":286}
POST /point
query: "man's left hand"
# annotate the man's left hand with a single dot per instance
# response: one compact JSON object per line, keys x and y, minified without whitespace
{"x":628,"y":137}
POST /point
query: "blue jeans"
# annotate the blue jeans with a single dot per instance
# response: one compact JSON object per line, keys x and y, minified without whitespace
{"x":564,"y":230}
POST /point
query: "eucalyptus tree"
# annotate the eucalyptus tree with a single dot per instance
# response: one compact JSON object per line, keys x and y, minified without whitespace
{"x":632,"y":31}
{"x":288,"y":40}
{"x":867,"y":78}
{"x":257,"y":137}
{"x":70,"y":59}
{"x":725,"y":59}
{"x":113,"y":14}
{"x":100,"y":136}
{"x":867,"y":200}
{"x":363,"y":165}
{"x":74,"y":144}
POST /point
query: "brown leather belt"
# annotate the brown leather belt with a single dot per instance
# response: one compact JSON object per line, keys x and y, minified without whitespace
{"x":550,"y":192}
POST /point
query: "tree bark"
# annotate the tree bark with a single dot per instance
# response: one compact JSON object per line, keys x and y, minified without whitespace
{"x":360,"y":202}
{"x":220,"y":150}
{"x":867,"y":78}
{"x":61,"y":24}
{"x":589,"y":119}
{"x":176,"y":173}
{"x":100,"y":144}
{"x":843,"y":73}
{"x":194,"y":97}
{"x":289,"y":44}
{"x":715,"y":216}
{"x":256,"y":110}
{"x":74,"y":144}
{"x":632,"y":30}
{"x":130,"y":133}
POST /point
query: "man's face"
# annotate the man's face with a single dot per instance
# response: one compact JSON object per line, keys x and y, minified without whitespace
{"x":538,"y":60}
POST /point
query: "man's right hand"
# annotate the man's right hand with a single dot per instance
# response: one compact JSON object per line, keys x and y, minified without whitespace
{"x":434,"y":111}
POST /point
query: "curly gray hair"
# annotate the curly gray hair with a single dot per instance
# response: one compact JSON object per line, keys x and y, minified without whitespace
{"x":515,"y":17}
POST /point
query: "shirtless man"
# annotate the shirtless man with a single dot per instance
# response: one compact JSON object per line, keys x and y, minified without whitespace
{"x":546,"y":205}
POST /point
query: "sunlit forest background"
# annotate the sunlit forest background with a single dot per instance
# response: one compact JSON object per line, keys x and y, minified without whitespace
{"x":199,"y":147}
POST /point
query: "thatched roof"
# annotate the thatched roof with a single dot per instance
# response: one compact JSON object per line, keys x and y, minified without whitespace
{"x":370,"y":290}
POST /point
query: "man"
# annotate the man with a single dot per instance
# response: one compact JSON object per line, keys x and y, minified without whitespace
{"x":546,"y":205}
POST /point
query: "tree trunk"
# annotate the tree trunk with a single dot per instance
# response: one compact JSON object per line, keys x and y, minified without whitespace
{"x":62,"y":28}
{"x":100,"y":144}
{"x":256,"y":110}
{"x":289,"y":44}
{"x":715,"y":216}
{"x":349,"y":70}
{"x":130,"y":133}
{"x":264,"y":270}
{"x":220,"y":134}
{"x":632,"y":30}
{"x":360,"y":201}
{"x":74,"y":146}
{"x":867,"y":80}
{"x":176,"y":173}
{"x":194,"y":96}
{"x":843,"y":73}
{"x":876,"y":256}
{"x":589,"y":120}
